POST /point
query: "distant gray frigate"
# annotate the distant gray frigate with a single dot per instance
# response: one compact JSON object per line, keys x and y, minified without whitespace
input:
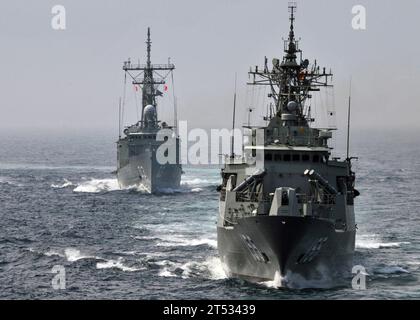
{"x":289,"y":215}
{"x":138,"y":163}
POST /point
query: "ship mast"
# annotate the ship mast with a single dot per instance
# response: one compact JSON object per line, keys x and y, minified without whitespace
{"x":148,"y":96}
{"x":147,"y":77}
{"x":149,"y":47}
{"x":291,"y":80}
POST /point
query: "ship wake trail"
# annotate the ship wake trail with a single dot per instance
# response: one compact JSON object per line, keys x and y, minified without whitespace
{"x":74,"y":255}
{"x":210,"y":268}
{"x":177,"y":241}
{"x":116,"y":264}
{"x":373,"y":242}
{"x":65,"y":184}
{"x":104,"y":185}
{"x":95,"y":185}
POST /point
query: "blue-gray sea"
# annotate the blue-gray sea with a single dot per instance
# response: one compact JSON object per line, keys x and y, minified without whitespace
{"x":60,"y":205}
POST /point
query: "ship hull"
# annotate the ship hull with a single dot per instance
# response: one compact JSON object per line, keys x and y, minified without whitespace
{"x":144,"y":171}
{"x":298,"y":252}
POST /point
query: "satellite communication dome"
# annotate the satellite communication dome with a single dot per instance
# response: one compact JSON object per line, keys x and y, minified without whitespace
{"x":149,"y":114}
{"x":292,"y":106}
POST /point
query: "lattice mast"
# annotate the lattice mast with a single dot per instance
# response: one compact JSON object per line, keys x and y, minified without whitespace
{"x":291,"y":80}
{"x":147,"y":76}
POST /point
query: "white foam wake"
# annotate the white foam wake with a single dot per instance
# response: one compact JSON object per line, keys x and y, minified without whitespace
{"x":211,"y":268}
{"x":391,"y":270}
{"x":73,"y":255}
{"x":65,"y":184}
{"x":70,"y":254}
{"x":372,"y":242}
{"x":52,"y":253}
{"x":10,"y":182}
{"x":183,"y":242}
{"x":182,"y":189}
{"x":379,"y":245}
{"x":115,"y":264}
{"x":194,"y":183}
{"x":49,"y":253}
{"x":190,"y":184}
{"x":276,"y":283}
{"x":111,"y":184}
{"x":97,"y":185}
{"x":292,"y":280}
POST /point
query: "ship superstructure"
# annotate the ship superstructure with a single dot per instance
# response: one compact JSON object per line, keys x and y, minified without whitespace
{"x":286,"y":207}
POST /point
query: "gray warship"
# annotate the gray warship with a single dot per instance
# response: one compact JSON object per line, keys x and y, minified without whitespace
{"x":137,"y":152}
{"x":286,"y":206}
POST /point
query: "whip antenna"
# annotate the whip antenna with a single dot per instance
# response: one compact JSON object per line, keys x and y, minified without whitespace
{"x":348,"y":123}
{"x":232,"y":150}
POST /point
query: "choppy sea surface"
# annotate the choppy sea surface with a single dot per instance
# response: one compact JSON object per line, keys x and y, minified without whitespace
{"x":60,"y":204}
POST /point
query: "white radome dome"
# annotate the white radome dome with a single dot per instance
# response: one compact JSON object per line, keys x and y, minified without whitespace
{"x":149,"y":114}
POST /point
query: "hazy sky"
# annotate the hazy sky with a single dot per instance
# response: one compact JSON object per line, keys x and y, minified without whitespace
{"x":73,"y":78}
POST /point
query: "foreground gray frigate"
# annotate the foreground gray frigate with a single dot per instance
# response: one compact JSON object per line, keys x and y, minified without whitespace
{"x":142,"y":158}
{"x":286,"y":207}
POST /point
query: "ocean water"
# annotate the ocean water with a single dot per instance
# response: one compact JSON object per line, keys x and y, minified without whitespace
{"x":60,"y":205}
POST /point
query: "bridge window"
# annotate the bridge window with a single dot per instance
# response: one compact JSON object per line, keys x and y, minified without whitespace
{"x":286,"y":157}
{"x":268,"y":157}
{"x":305,"y":157}
{"x":296,"y":157}
{"x":284,"y":198}
{"x":315,"y":158}
{"x":277,"y":157}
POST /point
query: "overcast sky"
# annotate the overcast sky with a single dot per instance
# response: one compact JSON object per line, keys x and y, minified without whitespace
{"x":72,"y":79}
